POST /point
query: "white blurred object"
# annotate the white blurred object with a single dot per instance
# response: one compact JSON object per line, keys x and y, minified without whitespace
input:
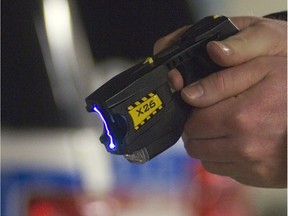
{"x":69,"y":151}
{"x":34,"y":149}
{"x":71,"y":69}
{"x":67,"y":56}
{"x":92,"y":161}
{"x":204,"y":8}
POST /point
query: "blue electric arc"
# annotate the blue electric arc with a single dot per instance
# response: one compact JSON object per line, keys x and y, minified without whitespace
{"x":111,"y":145}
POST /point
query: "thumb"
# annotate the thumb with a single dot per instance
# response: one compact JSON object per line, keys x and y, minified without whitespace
{"x":257,"y":37}
{"x":226,"y":83}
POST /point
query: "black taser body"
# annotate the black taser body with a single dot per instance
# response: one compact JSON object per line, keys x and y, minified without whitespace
{"x":142,"y":117}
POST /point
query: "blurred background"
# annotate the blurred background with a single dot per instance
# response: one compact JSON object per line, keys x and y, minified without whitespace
{"x":54,"y":54}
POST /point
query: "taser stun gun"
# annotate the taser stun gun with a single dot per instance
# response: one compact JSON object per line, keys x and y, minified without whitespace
{"x":141,"y":115}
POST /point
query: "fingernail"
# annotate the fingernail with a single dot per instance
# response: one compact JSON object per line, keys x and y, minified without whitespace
{"x":194,"y":91}
{"x":224,"y":47}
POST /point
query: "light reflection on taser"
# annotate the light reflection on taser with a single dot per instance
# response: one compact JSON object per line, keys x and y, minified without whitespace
{"x":111,"y":145}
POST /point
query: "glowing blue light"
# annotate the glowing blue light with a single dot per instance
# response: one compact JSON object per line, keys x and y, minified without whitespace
{"x":111,"y":145}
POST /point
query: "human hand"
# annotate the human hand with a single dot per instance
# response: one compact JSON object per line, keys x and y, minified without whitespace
{"x":239,"y":125}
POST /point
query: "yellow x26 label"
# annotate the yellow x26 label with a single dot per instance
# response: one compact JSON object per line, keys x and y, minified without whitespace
{"x":143,"y":110}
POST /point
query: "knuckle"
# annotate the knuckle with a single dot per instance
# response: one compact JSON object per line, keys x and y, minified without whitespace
{"x":243,"y":120}
{"x":263,"y":174}
{"x":279,"y":43}
{"x":218,"y":81}
{"x":240,"y":40}
{"x":248,"y":152}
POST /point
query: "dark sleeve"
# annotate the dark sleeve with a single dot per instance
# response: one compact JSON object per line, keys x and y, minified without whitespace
{"x":279,"y":15}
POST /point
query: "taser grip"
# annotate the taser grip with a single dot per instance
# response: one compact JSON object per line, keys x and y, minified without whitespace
{"x":208,"y":29}
{"x":142,"y":117}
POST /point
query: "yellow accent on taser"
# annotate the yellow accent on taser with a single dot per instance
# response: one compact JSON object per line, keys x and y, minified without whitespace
{"x":149,"y":60}
{"x":216,"y":16}
{"x":144,"y":109}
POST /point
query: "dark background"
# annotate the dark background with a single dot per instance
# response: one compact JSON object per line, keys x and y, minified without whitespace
{"x":115,"y":28}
